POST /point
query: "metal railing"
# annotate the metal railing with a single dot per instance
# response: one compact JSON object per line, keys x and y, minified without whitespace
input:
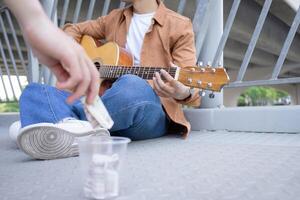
{"x":205,"y":9}
{"x":13,"y":66}
{"x":277,"y":68}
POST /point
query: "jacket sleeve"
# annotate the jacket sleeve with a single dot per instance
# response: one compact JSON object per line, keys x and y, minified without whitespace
{"x":184,"y":54}
{"x":94,"y":28}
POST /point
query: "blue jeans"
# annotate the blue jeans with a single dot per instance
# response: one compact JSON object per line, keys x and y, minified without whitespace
{"x":133,"y":105}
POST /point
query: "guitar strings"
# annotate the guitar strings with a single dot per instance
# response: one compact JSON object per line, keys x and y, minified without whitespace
{"x":114,"y":71}
{"x":135,"y":69}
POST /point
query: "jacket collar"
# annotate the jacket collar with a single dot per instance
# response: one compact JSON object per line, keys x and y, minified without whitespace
{"x":159,"y":16}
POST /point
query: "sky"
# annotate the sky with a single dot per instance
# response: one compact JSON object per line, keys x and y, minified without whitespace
{"x":8,"y":87}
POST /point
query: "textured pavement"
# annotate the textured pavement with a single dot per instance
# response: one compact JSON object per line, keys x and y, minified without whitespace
{"x":208,"y":165}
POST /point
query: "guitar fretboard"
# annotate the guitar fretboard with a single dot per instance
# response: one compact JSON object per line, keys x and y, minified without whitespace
{"x":111,"y":72}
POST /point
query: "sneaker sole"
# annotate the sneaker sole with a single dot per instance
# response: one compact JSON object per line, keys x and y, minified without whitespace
{"x":47,"y":142}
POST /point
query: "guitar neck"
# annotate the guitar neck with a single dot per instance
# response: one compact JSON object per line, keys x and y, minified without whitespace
{"x":112,"y":72}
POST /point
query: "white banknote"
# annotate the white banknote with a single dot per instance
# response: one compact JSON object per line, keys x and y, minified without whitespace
{"x":97,"y":114}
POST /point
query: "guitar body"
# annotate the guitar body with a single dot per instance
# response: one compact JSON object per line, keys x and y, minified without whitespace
{"x":107,"y":54}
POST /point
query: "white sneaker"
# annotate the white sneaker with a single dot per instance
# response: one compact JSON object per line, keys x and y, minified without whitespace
{"x":51,"y":141}
{"x":14,"y":131}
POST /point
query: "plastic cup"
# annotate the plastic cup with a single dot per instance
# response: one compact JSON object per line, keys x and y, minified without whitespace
{"x":100,"y":160}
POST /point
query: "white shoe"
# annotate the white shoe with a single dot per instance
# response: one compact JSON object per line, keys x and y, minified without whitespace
{"x":51,"y":141}
{"x":14,"y":131}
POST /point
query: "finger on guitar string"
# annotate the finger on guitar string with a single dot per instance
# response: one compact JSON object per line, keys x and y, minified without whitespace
{"x":167,"y":76}
{"x":173,"y":65}
{"x":163,"y":86}
{"x":158,"y":90}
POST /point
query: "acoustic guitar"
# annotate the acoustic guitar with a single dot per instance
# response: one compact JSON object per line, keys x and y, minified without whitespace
{"x":114,"y":61}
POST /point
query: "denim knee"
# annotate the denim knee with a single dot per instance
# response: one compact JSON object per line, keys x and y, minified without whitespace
{"x":143,"y":121}
{"x":36,"y":90}
{"x":30,"y":90}
{"x":131,"y":80}
{"x":135,"y":88}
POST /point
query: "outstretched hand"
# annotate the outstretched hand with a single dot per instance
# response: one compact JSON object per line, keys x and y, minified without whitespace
{"x":68,"y":61}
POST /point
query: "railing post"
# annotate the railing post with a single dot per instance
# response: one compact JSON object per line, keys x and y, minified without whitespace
{"x":33,"y":67}
{"x":210,"y":46}
{"x":33,"y":75}
{"x":51,"y":11}
{"x":297,"y":94}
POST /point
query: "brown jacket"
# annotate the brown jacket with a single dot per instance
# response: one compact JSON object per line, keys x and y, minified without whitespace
{"x":170,"y":38}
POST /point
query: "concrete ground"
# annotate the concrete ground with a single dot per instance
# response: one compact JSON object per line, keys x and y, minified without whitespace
{"x":208,"y":165}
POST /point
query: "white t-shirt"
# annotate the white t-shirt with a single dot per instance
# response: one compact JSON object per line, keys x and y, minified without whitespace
{"x":139,"y":25}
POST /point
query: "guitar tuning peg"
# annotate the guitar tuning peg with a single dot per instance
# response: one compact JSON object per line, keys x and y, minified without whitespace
{"x":199,"y":83}
{"x":202,"y":70}
{"x":202,"y":93}
{"x":209,"y":85}
{"x":200,"y":64}
{"x":213,"y":70}
{"x":211,"y":95}
{"x":220,"y":64}
{"x":209,"y":64}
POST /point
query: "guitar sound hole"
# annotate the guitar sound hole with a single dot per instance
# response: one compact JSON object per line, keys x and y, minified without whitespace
{"x":97,"y":65}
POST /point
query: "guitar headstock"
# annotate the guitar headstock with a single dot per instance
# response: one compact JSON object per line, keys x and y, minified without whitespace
{"x":206,"y":78}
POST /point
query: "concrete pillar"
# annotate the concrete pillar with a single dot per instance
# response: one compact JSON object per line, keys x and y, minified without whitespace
{"x":212,"y":38}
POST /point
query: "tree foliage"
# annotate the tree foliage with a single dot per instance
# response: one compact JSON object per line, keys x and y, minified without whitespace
{"x":260,"y":96}
{"x":9,"y":107}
